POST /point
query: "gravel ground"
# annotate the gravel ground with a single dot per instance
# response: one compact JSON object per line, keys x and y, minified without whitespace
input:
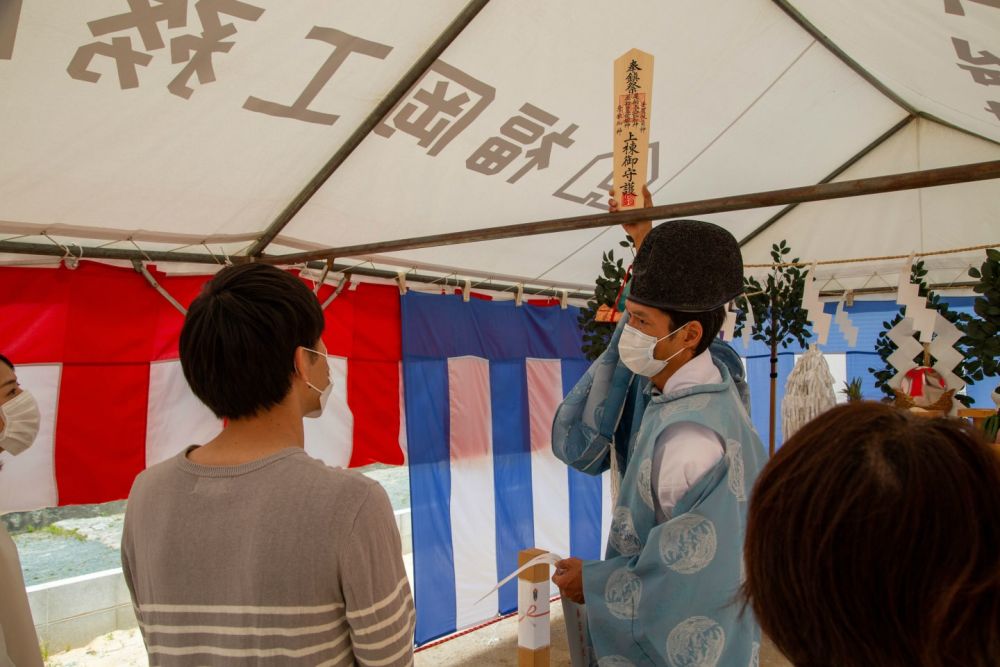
{"x":123,"y":648}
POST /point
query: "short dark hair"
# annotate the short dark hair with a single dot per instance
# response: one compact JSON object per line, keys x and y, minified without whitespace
{"x":872,"y":539}
{"x":238,"y":343}
{"x":711,"y":324}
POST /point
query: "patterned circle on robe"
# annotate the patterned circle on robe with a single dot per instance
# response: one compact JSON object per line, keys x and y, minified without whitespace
{"x":737,"y":473}
{"x":622,"y":594}
{"x":614,"y":661}
{"x":754,"y":655}
{"x":645,"y":483}
{"x":623,"y":536}
{"x":692,"y":403}
{"x":696,"y":642}
{"x":688,"y":543}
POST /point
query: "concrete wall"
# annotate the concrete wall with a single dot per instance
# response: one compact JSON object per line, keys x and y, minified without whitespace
{"x":73,"y":612}
{"x":405,"y":529}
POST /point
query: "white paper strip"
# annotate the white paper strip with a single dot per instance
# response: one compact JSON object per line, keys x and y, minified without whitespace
{"x":847,"y":327}
{"x":749,"y":324}
{"x":729,"y":326}
{"x":946,"y":357}
{"x":546,"y":558}
{"x":814,"y":310}
{"x":909,"y":348}
{"x":915,"y":305}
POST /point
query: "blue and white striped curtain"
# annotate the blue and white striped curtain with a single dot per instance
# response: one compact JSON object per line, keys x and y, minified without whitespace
{"x":482,"y":383}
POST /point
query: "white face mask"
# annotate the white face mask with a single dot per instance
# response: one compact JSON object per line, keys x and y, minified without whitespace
{"x":21,"y":421}
{"x":324,"y":394}
{"x":636,"y":351}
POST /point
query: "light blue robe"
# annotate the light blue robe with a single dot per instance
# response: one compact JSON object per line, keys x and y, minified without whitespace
{"x":665,"y":594}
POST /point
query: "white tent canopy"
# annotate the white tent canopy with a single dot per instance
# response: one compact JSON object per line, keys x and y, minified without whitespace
{"x":170,"y":125}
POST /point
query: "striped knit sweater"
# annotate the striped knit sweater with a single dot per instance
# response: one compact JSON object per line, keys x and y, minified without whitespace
{"x":281,"y":561}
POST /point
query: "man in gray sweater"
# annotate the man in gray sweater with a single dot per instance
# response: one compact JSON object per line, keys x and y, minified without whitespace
{"x":246,"y":551}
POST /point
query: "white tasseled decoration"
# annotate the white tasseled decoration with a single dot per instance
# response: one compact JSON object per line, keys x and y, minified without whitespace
{"x":809,"y":392}
{"x":616,"y":477}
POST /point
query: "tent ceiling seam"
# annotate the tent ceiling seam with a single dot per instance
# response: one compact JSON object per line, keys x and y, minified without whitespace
{"x":841,"y":55}
{"x":743,"y":113}
{"x":854,"y":159}
{"x":574,"y":253}
{"x":391,"y":99}
{"x":958,"y":128}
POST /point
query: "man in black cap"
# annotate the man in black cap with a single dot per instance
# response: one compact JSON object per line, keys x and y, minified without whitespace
{"x":665,"y":409}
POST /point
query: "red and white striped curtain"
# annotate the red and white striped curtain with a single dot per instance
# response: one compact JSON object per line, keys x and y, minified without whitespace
{"x":97,"y":346}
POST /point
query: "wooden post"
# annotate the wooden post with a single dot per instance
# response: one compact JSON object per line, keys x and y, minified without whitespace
{"x":774,"y":374}
{"x":533,"y":636}
{"x":633,"y":86}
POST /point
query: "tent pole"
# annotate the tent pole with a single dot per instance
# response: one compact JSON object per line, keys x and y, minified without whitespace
{"x":124,"y":254}
{"x":906,"y":181}
{"x":39,"y":249}
{"x":391,"y":99}
{"x":44,"y":249}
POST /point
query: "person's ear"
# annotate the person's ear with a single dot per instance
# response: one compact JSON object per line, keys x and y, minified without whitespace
{"x":301,"y":363}
{"x":691,"y":336}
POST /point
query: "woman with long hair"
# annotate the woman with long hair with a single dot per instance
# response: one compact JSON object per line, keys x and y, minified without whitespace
{"x":873,"y":539}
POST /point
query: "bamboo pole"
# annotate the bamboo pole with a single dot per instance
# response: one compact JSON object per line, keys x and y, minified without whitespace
{"x":865,"y":186}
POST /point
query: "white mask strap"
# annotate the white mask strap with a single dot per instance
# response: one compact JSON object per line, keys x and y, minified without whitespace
{"x":329,"y":375}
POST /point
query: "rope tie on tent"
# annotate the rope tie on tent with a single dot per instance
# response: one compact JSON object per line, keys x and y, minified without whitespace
{"x":212,"y":254}
{"x":870,"y":278}
{"x":141,"y":251}
{"x":322,"y":277}
{"x":141,"y":269}
{"x":964,"y":272}
{"x":71,"y":260}
{"x":340,"y":288}
{"x":832,"y":279}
